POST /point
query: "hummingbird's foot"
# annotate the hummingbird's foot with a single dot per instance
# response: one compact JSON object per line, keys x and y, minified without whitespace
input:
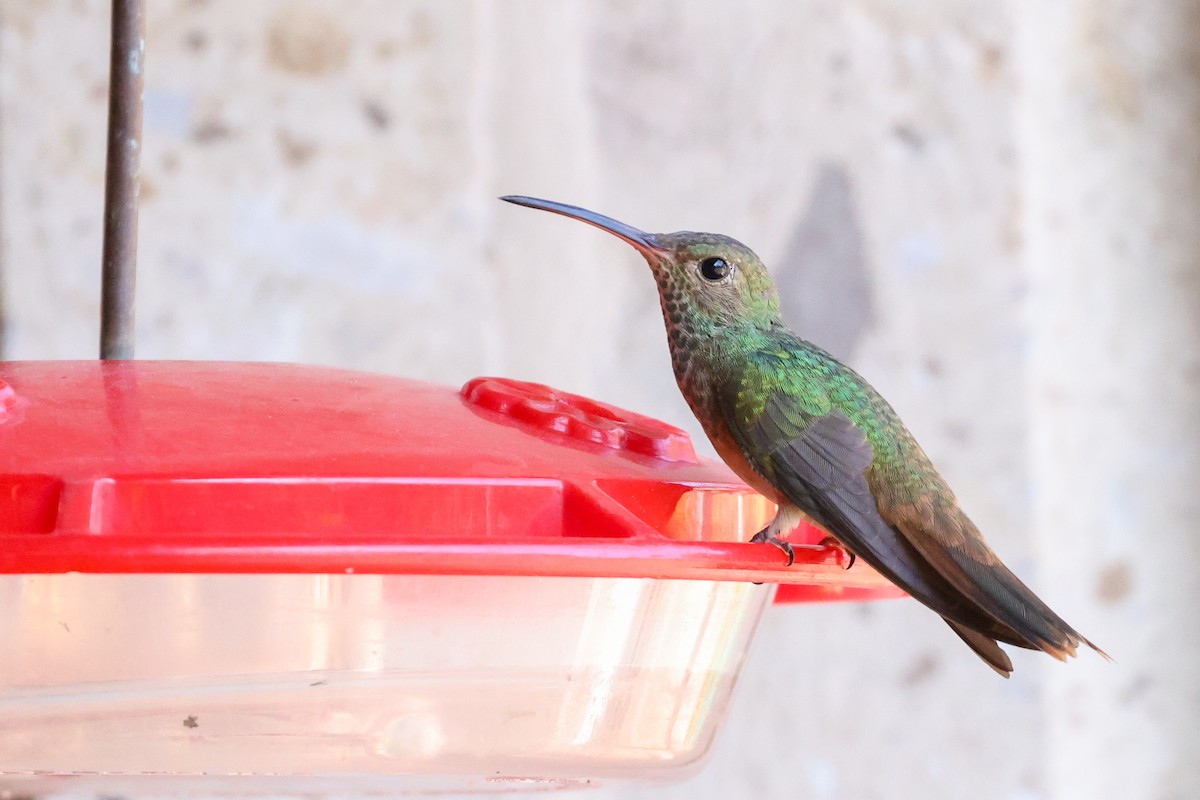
{"x":843,"y":553}
{"x":764,"y":537}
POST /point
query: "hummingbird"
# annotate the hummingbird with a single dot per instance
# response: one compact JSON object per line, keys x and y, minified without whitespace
{"x":813,"y":436}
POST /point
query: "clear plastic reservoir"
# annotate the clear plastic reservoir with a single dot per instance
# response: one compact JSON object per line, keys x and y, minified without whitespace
{"x":390,"y":683}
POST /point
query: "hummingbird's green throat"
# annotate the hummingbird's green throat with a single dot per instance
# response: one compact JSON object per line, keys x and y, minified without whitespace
{"x":811,"y":434}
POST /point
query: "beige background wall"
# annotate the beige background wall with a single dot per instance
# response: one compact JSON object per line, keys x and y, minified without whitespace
{"x":989,"y":208}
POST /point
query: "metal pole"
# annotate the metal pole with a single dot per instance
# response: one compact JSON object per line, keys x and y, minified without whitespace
{"x":121,"y":178}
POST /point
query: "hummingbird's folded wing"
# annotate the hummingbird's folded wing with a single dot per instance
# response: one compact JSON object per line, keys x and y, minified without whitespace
{"x":819,"y":460}
{"x":790,"y":431}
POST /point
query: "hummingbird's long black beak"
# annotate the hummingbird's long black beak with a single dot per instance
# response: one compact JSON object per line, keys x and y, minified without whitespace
{"x":641,"y":240}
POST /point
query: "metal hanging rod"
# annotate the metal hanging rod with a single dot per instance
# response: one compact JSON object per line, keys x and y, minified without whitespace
{"x":125,"y":83}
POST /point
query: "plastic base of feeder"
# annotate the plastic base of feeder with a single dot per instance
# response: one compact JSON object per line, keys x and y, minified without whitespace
{"x":361,"y":683}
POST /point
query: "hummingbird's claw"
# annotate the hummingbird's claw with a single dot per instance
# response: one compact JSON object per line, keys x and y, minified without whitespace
{"x":764,"y":537}
{"x":843,"y":553}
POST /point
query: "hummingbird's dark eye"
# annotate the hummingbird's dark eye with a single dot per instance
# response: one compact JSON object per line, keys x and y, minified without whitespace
{"x":715,"y":268}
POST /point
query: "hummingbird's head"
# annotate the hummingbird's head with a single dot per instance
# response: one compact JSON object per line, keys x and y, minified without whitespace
{"x":708,"y":280}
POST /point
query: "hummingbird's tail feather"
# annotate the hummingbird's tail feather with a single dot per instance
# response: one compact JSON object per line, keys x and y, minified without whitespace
{"x":951,"y":543}
{"x":853,"y":519}
{"x":984,"y":603}
{"x":985,"y":647}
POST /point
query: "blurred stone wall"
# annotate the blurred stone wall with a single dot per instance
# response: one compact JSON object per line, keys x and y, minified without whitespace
{"x":990,"y":209}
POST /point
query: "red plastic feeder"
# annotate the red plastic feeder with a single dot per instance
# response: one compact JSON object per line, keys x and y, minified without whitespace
{"x":271,"y":578}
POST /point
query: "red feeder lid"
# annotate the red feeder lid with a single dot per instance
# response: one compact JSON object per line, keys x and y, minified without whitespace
{"x":214,"y":467}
